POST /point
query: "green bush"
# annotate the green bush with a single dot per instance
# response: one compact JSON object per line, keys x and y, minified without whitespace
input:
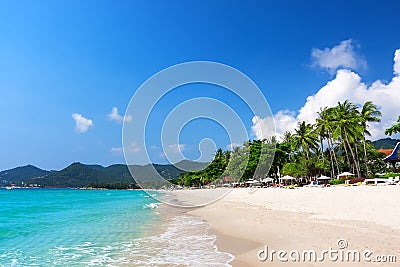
{"x":337,"y":181}
{"x":388,"y":175}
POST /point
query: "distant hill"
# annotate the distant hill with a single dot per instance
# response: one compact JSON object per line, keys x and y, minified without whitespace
{"x":81,"y":175}
{"x":385,"y":143}
{"x":75,"y":175}
{"x":191,"y":165}
{"x":19,"y":174}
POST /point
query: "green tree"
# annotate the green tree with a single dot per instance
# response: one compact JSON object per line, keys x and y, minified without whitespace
{"x":295,"y":169}
{"x":369,"y":113}
{"x":324,"y":129}
{"x":305,"y":138}
{"x":345,"y":119}
{"x":394,"y":129}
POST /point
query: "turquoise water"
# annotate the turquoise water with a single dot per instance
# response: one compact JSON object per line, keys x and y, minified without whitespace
{"x":58,"y":227}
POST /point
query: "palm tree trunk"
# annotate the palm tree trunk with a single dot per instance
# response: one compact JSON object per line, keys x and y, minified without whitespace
{"x":347,"y":153}
{"x":307,"y":152}
{"x":352,"y":153}
{"x":322,"y":152}
{"x":332,"y":163}
{"x":330,"y":139}
{"x":365,"y":156}
{"x":357,"y":159}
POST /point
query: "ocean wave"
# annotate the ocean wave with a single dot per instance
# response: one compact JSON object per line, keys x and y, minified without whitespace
{"x":152,"y":206}
{"x":185,"y":242}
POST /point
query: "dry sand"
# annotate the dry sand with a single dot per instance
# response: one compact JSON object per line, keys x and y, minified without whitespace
{"x":245,"y":221}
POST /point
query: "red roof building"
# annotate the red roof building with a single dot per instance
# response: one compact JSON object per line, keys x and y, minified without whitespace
{"x":387,"y":152}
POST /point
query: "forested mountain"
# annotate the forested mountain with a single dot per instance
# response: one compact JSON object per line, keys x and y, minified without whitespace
{"x":385,"y":143}
{"x":75,"y":175}
{"x":81,"y":175}
{"x":19,"y":174}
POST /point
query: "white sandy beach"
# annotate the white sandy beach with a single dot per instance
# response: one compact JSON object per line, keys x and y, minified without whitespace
{"x":245,"y":221}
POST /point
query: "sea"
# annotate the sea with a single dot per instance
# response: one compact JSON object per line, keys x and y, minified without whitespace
{"x":67,"y":227}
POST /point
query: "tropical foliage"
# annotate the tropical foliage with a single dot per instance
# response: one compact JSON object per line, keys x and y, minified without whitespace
{"x":336,"y":142}
{"x":394,"y":129}
{"x":253,"y":159}
{"x":343,"y":129}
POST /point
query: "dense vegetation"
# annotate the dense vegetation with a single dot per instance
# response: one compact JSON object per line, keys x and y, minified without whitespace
{"x":238,"y":165}
{"x":19,"y":174}
{"x":336,"y":142}
{"x":96,"y":176}
{"x":343,"y":129}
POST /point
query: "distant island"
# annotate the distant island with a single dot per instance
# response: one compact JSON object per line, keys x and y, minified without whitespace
{"x":78,"y":175}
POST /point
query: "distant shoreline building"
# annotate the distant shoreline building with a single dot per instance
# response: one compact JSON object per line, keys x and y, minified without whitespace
{"x":392,"y":156}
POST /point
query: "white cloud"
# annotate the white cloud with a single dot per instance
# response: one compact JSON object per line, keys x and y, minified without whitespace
{"x":116,"y":150}
{"x":342,"y":55}
{"x":132,"y":148}
{"x":263,"y":128}
{"x":176,"y":148}
{"x":117,"y":117}
{"x":396,"y":67}
{"x":82,"y":124}
{"x":346,"y":85}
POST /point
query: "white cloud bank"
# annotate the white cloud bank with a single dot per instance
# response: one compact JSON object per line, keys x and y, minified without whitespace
{"x":342,"y":55}
{"x":82,"y":124}
{"x":117,"y":117}
{"x":346,"y":85}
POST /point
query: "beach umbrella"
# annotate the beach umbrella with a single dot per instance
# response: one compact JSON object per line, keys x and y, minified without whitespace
{"x":287,"y":177}
{"x":323,"y":177}
{"x":268,"y":180}
{"x":345,"y":174}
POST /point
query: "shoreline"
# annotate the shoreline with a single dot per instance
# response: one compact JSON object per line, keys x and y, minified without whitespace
{"x":304,"y":219}
{"x":181,"y":239}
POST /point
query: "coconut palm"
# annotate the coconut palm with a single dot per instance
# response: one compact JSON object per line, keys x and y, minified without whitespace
{"x":346,"y":118}
{"x":324,"y":129}
{"x":305,"y":138}
{"x":287,"y":137}
{"x":369,"y":113}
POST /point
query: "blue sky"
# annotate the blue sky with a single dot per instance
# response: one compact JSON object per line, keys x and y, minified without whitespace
{"x":59,"y":58}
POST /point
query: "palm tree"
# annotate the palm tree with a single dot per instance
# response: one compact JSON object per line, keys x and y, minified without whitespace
{"x":369,"y":113}
{"x":287,"y":137}
{"x":305,"y":138}
{"x":324,"y":129}
{"x":346,"y":117}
